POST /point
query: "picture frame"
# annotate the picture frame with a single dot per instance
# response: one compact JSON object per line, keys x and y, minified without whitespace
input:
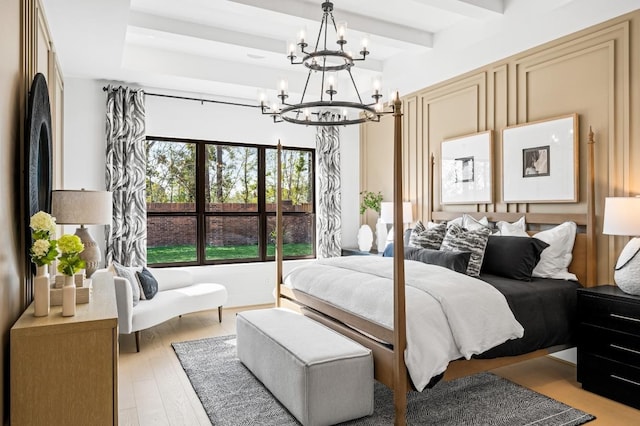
{"x":466,"y":169}
{"x":540,"y":161}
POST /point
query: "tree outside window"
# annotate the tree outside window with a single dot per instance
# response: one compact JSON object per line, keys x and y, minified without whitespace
{"x":211,"y":202}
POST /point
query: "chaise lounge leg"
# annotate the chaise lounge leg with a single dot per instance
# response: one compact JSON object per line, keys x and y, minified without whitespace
{"x":137,"y":341}
{"x":220,"y":314}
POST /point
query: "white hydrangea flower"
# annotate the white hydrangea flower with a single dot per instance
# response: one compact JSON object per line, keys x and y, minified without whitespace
{"x":41,"y":248}
{"x":43,"y":221}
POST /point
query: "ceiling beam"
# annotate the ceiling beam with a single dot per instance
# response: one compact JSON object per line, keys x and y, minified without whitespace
{"x":186,"y":65}
{"x":204,"y":32}
{"x":477,"y":9}
{"x":361,"y":23}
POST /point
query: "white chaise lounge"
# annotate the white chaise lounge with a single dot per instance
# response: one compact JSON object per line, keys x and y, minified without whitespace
{"x":177,"y":294}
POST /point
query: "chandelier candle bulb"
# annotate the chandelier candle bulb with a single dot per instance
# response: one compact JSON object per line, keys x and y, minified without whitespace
{"x":331,"y":81}
{"x":291,"y":50}
{"x":301,"y":36}
{"x":364,"y":43}
{"x":332,"y":85}
{"x":342,"y":33}
{"x":283,"y":86}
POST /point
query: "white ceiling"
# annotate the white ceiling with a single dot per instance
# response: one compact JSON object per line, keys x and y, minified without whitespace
{"x":234,"y":48}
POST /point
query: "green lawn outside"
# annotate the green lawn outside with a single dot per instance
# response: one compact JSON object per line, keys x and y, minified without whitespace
{"x":187,"y":253}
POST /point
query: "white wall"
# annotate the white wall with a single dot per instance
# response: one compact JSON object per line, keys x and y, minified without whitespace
{"x":84,"y":157}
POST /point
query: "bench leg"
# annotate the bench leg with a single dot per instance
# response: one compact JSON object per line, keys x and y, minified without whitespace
{"x":137,"y":341}
{"x":220,"y":314}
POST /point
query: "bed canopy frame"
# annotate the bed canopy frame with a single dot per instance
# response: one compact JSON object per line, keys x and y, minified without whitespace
{"x":389,"y":363}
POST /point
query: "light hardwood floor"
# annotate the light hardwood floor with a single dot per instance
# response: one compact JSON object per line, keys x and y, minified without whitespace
{"x":154,"y":390}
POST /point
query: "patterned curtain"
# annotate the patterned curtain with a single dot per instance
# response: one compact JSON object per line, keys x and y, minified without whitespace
{"x":329,"y":220}
{"x":125,"y":176}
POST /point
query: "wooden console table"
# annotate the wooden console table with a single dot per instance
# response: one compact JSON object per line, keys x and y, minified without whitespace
{"x":64,"y":370}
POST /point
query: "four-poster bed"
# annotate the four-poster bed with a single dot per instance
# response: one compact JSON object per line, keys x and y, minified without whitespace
{"x":388,"y":344}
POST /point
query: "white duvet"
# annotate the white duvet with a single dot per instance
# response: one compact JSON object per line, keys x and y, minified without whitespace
{"x":449,"y":315}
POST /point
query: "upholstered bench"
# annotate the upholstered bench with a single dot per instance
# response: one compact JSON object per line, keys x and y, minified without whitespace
{"x":320,"y":376}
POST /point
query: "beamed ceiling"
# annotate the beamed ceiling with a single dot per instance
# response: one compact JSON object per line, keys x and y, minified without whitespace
{"x":234,"y":48}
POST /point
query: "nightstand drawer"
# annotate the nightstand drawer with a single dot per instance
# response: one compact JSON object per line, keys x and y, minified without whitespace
{"x":614,"y":314}
{"x":622,"y":347}
{"x":609,"y":378}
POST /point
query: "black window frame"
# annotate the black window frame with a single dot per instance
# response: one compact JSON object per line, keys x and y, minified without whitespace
{"x":201,"y":214}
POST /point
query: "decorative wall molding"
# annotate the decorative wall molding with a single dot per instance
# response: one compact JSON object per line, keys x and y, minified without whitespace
{"x":587,"y":73}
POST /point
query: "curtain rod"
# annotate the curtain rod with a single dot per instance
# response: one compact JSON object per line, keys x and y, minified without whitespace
{"x":160,"y":95}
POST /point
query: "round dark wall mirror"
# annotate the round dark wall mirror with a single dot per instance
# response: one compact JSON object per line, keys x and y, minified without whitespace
{"x":38,"y":148}
{"x":37,"y":156}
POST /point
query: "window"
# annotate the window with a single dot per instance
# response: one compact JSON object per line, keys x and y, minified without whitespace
{"x":212,"y":202}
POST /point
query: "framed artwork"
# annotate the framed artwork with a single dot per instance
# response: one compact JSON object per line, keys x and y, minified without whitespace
{"x":466,"y":169}
{"x":540,"y":161}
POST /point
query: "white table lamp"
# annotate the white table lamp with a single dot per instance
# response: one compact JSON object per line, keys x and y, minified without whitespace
{"x":621,"y":218}
{"x":80,"y":207}
{"x":386,"y":214}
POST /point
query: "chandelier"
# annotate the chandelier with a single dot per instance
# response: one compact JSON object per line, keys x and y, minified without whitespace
{"x":324,"y":64}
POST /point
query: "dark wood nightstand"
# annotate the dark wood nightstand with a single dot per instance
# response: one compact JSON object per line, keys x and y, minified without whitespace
{"x":357,"y":252}
{"x":609,"y":343}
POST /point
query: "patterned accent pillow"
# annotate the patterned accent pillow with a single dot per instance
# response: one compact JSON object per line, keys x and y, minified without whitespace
{"x":130,"y":274}
{"x":472,"y":224}
{"x":427,"y":238}
{"x":460,"y":239}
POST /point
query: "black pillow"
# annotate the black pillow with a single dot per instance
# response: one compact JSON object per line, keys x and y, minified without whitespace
{"x":454,"y":260}
{"x":148,"y":283}
{"x":512,"y":257}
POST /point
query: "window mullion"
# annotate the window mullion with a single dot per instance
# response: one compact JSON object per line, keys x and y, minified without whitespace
{"x":201,"y":221}
{"x":262,"y":208}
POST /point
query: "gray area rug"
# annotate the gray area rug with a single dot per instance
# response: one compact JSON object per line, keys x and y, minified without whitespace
{"x":231,"y":395}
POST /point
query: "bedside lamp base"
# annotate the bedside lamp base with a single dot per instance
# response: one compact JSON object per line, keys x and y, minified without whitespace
{"x":627,"y":272}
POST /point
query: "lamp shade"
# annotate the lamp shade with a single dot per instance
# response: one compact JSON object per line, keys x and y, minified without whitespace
{"x":81,"y":207}
{"x":621,"y":216}
{"x":386,"y":212}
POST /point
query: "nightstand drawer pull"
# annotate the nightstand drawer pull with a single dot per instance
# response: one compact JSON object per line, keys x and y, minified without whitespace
{"x":622,"y":348}
{"x":622,"y":317}
{"x":613,"y":376}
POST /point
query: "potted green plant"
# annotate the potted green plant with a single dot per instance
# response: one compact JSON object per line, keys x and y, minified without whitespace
{"x":370,"y":200}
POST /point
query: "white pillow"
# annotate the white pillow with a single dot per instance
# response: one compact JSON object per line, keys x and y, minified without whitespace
{"x":129,"y":273}
{"x":515,"y":229}
{"x":470,"y":223}
{"x":555,"y":259}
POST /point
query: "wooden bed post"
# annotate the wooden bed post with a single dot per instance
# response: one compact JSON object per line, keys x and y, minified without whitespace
{"x":399,"y":317}
{"x":591,"y":213}
{"x":279,"y":235}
